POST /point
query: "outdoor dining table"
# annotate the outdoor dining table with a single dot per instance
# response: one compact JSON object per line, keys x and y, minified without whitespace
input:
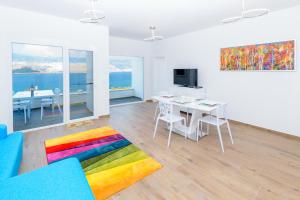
{"x":22,"y":95}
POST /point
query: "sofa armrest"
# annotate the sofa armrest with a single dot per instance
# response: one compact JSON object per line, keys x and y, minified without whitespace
{"x":3,"y":131}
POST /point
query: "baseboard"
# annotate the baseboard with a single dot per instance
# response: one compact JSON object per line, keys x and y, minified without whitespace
{"x":285,"y":135}
{"x":104,"y":116}
{"x":79,"y":124}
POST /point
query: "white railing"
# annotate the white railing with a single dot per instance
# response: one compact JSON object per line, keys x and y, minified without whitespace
{"x":121,"y":93}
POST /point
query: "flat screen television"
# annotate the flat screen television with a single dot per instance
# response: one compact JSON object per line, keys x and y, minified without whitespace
{"x":186,"y":77}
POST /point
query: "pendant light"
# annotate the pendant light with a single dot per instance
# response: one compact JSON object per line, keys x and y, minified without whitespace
{"x":251,"y":13}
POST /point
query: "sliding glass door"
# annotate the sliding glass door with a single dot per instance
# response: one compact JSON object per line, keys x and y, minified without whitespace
{"x":81,"y":84}
{"x":38,"y":85}
{"x":37,"y":75}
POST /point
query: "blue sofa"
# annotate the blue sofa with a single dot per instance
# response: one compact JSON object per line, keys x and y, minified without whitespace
{"x":62,"y":180}
{"x":11,"y":150}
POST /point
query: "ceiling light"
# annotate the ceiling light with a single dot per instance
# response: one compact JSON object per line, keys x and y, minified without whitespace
{"x":247,"y":14}
{"x":153,"y":36}
{"x":92,"y":15}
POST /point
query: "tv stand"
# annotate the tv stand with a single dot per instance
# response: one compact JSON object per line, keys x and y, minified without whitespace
{"x":198,"y":92}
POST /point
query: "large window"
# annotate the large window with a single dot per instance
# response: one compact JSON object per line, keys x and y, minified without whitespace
{"x":126,"y":79}
{"x":81,"y":84}
{"x":37,"y":85}
{"x":120,"y":74}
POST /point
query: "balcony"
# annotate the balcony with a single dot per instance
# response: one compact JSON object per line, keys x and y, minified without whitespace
{"x":78,"y":109}
{"x":126,"y":80}
{"x":123,"y":96}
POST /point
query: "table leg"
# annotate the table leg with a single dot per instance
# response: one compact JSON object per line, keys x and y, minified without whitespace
{"x":53,"y":105}
{"x":192,"y":125}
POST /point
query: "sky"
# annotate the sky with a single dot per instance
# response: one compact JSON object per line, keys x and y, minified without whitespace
{"x":48,"y":59}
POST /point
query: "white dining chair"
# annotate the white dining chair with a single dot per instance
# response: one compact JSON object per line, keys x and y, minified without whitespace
{"x":54,"y":101}
{"x":166,"y":115}
{"x":216,"y":118}
{"x":24,"y":105}
{"x":161,"y":93}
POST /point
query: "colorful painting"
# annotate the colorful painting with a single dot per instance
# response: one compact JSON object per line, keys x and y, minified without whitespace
{"x":110,"y":162}
{"x":277,"y":56}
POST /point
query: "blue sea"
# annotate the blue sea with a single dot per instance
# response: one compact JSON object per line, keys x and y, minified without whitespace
{"x":22,"y":82}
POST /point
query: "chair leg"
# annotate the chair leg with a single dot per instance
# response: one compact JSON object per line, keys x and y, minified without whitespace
{"x":187,"y":115}
{"x":201,"y":128}
{"x":156,"y":110}
{"x":207,"y":128}
{"x":25,"y":115}
{"x":185,"y":127}
{"x":154,"y":134}
{"x":42,"y":112}
{"x":198,"y":130}
{"x":29,"y":112}
{"x":229,"y":131}
{"x":220,"y":138}
{"x":170,"y":133}
{"x":59,"y":108}
{"x":27,"y":108}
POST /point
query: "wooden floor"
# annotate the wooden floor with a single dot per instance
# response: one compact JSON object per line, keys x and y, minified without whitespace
{"x":260,"y":165}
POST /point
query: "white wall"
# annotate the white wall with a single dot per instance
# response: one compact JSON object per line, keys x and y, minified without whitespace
{"x":138,"y":77}
{"x":127,"y":47}
{"x":266,"y":99}
{"x":28,"y":27}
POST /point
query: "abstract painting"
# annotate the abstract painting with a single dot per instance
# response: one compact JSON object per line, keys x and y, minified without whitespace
{"x":276,"y":56}
{"x":110,"y":161}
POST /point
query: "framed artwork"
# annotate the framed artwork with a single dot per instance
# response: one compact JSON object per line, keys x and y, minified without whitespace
{"x":276,"y":56}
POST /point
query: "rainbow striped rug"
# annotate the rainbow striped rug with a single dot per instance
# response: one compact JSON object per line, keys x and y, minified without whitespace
{"x":110,"y":162}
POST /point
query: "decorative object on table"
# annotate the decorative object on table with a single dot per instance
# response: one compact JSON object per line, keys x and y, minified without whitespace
{"x":32,"y":88}
{"x":276,"y":56}
{"x":208,"y":103}
{"x":184,"y":99}
{"x":110,"y":162}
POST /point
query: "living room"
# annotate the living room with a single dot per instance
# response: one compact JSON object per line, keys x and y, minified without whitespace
{"x":149,"y":100}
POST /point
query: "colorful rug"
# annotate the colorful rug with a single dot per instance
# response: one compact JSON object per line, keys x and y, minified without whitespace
{"x":110,"y":162}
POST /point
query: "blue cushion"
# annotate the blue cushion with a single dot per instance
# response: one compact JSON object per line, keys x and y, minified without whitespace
{"x":59,"y":181}
{"x":11,"y":150}
{"x":3,"y":131}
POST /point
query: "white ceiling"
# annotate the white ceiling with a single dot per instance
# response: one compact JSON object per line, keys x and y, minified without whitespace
{"x":132,"y":18}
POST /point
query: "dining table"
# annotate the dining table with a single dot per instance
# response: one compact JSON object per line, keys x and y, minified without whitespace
{"x":195,"y":106}
{"x":23,"y":95}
